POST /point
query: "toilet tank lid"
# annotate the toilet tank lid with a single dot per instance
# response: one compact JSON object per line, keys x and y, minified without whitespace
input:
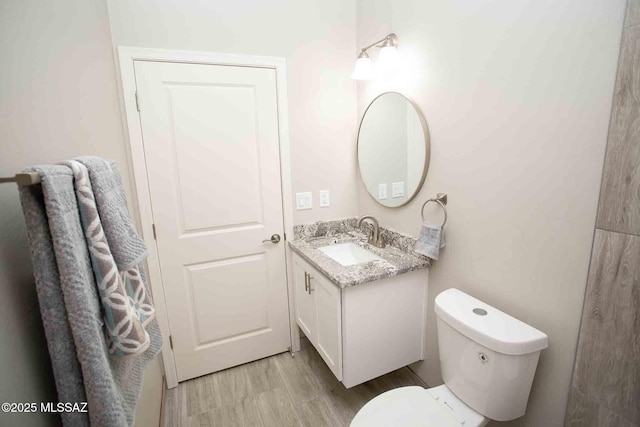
{"x":487,"y":325}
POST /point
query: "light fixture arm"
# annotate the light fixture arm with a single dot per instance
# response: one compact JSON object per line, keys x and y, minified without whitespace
{"x":390,"y":39}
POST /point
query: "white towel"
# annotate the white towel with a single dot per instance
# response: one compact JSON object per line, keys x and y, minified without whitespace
{"x":430,"y":240}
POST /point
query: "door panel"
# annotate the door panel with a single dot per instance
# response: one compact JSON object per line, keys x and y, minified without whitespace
{"x":208,"y":165}
{"x":228,"y":289}
{"x":212,"y":153}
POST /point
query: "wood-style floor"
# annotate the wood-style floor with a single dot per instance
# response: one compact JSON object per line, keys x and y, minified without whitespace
{"x":278,"y":391}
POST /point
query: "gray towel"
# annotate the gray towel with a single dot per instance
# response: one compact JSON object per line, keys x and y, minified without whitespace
{"x":128,"y":248}
{"x":430,"y":241}
{"x":62,"y":351}
{"x":111,"y":384}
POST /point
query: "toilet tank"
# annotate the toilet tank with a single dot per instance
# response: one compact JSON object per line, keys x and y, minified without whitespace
{"x":488,"y":358}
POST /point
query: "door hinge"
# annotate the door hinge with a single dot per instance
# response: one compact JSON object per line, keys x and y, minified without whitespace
{"x":171,"y":342}
{"x":155,"y":236}
{"x":285,"y":236}
{"x":137,"y":102}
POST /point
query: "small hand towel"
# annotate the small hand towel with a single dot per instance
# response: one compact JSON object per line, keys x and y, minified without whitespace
{"x":127,"y":247}
{"x":430,"y":241}
{"x":126,"y":307}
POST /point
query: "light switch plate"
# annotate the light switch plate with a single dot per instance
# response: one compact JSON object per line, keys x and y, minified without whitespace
{"x":397,"y":189}
{"x":304,"y":200}
{"x":382,"y":191}
{"x":324,"y":198}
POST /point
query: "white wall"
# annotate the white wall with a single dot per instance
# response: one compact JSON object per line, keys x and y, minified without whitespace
{"x":317,"y":38}
{"x":58,"y":99}
{"x":517,"y":97}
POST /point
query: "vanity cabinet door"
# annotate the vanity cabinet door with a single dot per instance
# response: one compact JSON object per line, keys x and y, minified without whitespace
{"x":329,"y":322}
{"x":305,"y":303}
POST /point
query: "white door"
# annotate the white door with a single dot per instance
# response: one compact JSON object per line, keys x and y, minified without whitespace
{"x":212,"y":155}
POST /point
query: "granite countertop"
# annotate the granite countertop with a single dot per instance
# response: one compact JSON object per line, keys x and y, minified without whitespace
{"x":397,"y":256}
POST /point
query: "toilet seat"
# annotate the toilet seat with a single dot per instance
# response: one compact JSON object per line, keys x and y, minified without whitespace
{"x":416,"y":406}
{"x":410,"y":406}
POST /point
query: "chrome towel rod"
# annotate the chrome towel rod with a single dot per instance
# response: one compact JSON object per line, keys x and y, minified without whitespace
{"x":23,"y":179}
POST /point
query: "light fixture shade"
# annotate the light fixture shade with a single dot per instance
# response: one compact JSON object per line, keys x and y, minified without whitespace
{"x":388,"y":60}
{"x":363,"y":69}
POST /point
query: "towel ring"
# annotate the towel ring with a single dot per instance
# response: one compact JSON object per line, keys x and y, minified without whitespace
{"x":441,"y":199}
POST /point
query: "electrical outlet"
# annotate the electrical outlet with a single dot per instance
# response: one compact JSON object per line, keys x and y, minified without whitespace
{"x":397,"y":189}
{"x":382,"y":191}
{"x":324,"y":198}
{"x":304,"y":200}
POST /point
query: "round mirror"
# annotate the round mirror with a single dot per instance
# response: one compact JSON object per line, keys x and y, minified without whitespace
{"x":393,"y":149}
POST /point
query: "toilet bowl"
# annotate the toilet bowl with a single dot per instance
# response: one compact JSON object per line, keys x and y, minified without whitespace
{"x":488,"y":360}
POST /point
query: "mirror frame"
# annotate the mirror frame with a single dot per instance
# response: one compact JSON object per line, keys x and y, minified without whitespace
{"x":427,"y":149}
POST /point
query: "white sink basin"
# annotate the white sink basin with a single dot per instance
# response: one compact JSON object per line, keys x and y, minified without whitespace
{"x":349,"y":254}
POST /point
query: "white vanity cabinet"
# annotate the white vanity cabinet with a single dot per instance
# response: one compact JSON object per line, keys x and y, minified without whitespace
{"x":366,"y":330}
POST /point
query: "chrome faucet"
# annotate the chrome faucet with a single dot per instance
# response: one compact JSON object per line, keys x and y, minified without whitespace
{"x":375,"y":238}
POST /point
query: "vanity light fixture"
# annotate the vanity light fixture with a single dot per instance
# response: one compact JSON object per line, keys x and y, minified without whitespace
{"x":388,"y":53}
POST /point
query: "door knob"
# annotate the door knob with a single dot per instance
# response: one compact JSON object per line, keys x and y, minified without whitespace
{"x":274,"y":239}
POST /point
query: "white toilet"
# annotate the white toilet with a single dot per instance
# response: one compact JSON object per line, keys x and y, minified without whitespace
{"x":488,"y":361}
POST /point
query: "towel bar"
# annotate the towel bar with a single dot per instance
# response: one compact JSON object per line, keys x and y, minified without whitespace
{"x":441,"y":199}
{"x":23,"y":179}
